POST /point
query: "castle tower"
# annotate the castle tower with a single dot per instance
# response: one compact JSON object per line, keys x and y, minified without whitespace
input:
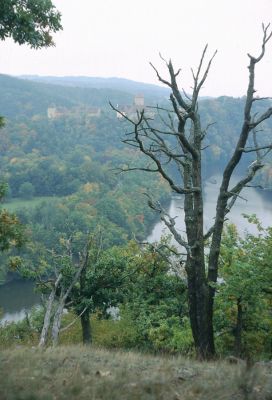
{"x":139,"y":101}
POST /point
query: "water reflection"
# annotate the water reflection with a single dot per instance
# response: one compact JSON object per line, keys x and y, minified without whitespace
{"x":16,"y":298}
{"x":253,"y":202}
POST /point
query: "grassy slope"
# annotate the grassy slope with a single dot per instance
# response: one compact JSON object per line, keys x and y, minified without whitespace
{"x":16,"y":204}
{"x":78,"y":373}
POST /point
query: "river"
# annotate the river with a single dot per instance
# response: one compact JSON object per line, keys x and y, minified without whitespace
{"x":254,"y":201}
{"x":18,"y":297}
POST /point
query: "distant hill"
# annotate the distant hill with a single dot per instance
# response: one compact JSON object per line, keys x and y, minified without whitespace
{"x":120,"y":84}
{"x":30,"y":95}
{"x":21,"y":97}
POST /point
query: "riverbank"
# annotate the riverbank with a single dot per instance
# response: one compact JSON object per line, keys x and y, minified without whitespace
{"x":78,"y":372}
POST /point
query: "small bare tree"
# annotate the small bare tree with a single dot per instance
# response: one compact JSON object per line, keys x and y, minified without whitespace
{"x":55,"y":303}
{"x":183,"y":125}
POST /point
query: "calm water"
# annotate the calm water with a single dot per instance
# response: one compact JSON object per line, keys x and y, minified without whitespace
{"x":256,"y":202}
{"x":18,"y":297}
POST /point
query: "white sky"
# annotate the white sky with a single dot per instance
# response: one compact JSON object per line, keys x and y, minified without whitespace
{"x":119,"y":37}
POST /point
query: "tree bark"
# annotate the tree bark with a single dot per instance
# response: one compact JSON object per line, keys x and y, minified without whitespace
{"x":86,"y":328}
{"x":47,"y":319}
{"x":57,"y":321}
{"x":85,"y":317}
{"x":63,"y":297}
{"x":48,"y":313}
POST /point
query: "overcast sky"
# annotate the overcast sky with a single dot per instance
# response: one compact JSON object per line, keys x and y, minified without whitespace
{"x":119,"y":37}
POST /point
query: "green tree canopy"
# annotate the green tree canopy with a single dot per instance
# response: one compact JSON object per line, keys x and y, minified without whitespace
{"x":29,"y":22}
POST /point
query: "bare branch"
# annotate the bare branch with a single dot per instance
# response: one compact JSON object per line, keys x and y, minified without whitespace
{"x":197,"y":84}
{"x":205,"y":131}
{"x":209,"y":233}
{"x":253,"y":168}
{"x":262,"y":118}
{"x":139,"y":114}
{"x":266,"y":37}
{"x":65,"y":328}
{"x":128,"y":169}
{"x":261,"y":98}
{"x":255,"y":149}
{"x":165,"y":82}
{"x":168,"y":220}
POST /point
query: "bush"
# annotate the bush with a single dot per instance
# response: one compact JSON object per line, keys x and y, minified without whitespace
{"x":17,"y":333}
{"x":171,"y":336}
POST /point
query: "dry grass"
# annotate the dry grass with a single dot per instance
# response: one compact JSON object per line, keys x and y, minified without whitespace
{"x":96,"y":374}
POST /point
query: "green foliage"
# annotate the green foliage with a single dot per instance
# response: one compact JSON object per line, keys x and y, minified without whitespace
{"x":23,"y":332}
{"x":29,"y":22}
{"x":173,"y":336}
{"x":26,"y":190}
{"x":11,"y":230}
{"x":246,"y":278}
{"x":120,"y":334}
{"x":154,"y":302}
{"x":2,"y":122}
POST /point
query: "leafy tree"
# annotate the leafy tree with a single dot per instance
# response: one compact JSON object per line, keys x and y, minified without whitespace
{"x":29,"y":22}
{"x":101,"y":282}
{"x":243,"y":299}
{"x":155,"y":300}
{"x":180,"y":144}
{"x":11,"y":230}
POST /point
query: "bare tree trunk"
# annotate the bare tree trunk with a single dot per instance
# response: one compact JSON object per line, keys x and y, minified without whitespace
{"x":47,"y":319}
{"x":48,"y":314}
{"x":63,"y":297}
{"x":85,"y":317}
{"x":86,"y":328}
{"x":57,"y":321}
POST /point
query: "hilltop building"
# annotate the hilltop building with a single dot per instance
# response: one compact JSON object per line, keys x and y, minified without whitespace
{"x":132,"y":111}
{"x":57,"y":112}
{"x":139,"y":101}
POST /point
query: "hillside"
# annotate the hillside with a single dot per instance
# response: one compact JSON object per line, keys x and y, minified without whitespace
{"x":118,"y":84}
{"x":81,"y":373}
{"x":24,"y":98}
{"x":76,"y":152}
{"x":82,"y":124}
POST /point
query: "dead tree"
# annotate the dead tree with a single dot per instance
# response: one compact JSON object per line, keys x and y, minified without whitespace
{"x":56,"y":303}
{"x":61,"y":304}
{"x":48,"y":312}
{"x":183,"y":125}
